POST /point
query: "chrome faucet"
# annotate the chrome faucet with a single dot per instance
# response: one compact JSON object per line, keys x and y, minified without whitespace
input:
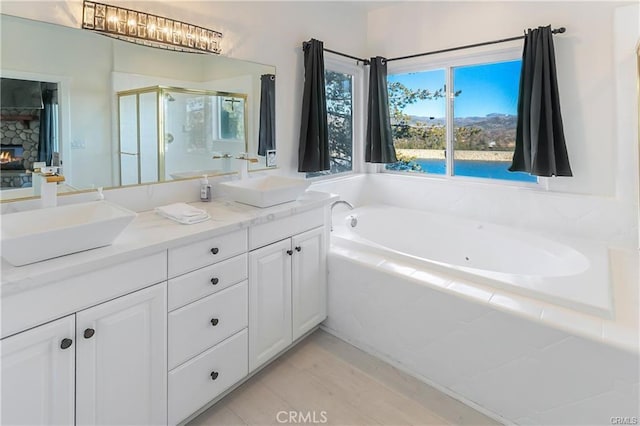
{"x":243,"y":167}
{"x":346,"y":203}
{"x":335,"y":203}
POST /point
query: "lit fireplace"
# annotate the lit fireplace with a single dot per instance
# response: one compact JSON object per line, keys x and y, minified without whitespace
{"x":11,"y":157}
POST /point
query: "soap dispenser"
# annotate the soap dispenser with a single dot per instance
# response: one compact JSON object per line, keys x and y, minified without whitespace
{"x":205,"y":189}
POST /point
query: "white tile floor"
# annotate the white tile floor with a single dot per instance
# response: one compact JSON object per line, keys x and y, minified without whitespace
{"x":336,"y":382}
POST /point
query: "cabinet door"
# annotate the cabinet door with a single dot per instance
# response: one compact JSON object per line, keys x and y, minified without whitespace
{"x":122,"y":360}
{"x":38,"y":370}
{"x":309,"y":282}
{"x":269,"y":302}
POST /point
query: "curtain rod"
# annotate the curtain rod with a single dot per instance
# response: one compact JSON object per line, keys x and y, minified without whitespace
{"x":364,"y":61}
{"x":468,"y":46}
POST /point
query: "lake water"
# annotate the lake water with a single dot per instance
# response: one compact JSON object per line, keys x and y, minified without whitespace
{"x":474,"y":168}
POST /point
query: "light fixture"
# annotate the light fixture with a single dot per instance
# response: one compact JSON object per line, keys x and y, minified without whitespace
{"x":148,"y":29}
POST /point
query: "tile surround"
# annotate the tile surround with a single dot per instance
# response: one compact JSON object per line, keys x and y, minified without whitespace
{"x":583,"y":216}
{"x":477,"y":349}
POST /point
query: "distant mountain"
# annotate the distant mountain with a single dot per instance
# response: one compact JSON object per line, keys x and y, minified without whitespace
{"x":490,"y":121}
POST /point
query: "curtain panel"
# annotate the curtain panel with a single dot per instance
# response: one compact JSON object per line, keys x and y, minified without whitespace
{"x":267,"y":130}
{"x":379,"y":142}
{"x":313,"y":148}
{"x":540,"y":144}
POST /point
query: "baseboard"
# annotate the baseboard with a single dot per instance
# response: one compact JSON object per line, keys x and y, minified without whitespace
{"x":495,"y":416}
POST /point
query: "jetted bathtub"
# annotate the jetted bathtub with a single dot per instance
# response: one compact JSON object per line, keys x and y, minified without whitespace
{"x":570,"y":273}
{"x":516,"y":324}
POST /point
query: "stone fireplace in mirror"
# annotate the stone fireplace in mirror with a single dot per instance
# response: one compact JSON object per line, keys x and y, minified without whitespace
{"x":19,"y":134}
{"x":21,"y":107}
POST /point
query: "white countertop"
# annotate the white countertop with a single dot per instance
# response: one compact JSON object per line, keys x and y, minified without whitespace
{"x":150,"y":233}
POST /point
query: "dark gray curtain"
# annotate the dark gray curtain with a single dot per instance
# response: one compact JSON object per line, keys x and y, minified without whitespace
{"x":313,"y":151}
{"x":48,"y":126}
{"x":379,"y":146}
{"x":267,"y":131}
{"x":540,"y":144}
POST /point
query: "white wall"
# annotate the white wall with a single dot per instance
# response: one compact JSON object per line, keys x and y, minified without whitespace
{"x":584,"y":55}
{"x":597,"y":74}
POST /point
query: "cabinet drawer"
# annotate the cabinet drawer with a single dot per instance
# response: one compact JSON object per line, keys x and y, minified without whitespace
{"x":267,"y":233}
{"x":208,"y":280}
{"x":192,"y":329}
{"x":192,"y":385}
{"x":61,"y":297}
{"x":206,"y":252}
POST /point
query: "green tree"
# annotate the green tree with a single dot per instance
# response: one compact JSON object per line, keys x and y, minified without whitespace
{"x":339,"y":89}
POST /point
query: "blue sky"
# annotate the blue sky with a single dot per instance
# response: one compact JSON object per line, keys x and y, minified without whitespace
{"x":486,"y":89}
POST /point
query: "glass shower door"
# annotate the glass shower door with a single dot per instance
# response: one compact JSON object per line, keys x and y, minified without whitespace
{"x":149,"y":152}
{"x":129,"y":153}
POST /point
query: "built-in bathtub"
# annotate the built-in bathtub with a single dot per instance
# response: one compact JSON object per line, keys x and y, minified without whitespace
{"x":568,"y":272}
{"x":529,"y":328}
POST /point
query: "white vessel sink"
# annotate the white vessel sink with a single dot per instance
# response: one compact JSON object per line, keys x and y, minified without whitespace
{"x":265,"y":191}
{"x":41,"y":234}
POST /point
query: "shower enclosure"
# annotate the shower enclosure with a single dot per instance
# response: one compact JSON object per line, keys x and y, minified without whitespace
{"x":170,"y":133}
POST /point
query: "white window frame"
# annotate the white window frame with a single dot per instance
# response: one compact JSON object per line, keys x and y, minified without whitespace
{"x":448,"y":62}
{"x":347,"y":66}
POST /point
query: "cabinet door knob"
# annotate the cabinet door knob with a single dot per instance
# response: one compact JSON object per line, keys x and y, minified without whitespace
{"x":289,"y":252}
{"x":65,"y":343}
{"x":214,"y":375}
{"x":88,"y":333}
{"x":214,"y":321}
{"x":214,"y":250}
{"x":214,"y":281}
{"x":298,"y":248}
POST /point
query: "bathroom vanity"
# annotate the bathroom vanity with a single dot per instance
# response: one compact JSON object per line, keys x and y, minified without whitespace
{"x":167,"y":320}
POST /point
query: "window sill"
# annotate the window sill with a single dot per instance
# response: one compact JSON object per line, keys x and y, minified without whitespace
{"x":333,"y":176}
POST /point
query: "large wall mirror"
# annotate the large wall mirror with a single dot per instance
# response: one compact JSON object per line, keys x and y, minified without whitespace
{"x":113,"y":113}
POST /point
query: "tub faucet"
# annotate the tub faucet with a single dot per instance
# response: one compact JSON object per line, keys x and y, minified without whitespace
{"x":335,"y":203}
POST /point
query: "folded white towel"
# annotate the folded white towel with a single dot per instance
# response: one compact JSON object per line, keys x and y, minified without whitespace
{"x":183,"y":213}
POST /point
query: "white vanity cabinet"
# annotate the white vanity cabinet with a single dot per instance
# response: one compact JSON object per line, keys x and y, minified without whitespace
{"x":287,"y":283}
{"x":105,"y":362}
{"x":309,"y":281}
{"x":110,"y":358}
{"x":121,"y":360}
{"x":207,"y":321}
{"x":155,"y":339}
{"x":269,"y":302}
{"x":38,"y":374}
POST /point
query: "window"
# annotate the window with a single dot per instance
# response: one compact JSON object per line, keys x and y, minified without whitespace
{"x":417,"y":107}
{"x":231,"y":121}
{"x":473,"y":135}
{"x":339,"y":90}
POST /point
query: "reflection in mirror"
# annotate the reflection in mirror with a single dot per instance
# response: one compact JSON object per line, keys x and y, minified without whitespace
{"x":172,"y":133}
{"x":96,"y":149}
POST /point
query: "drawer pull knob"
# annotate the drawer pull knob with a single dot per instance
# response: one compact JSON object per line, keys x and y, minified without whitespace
{"x":214,"y":321}
{"x":214,"y":281}
{"x":214,"y":375}
{"x":214,"y":250}
{"x":88,"y":333}
{"x":289,"y":252}
{"x":298,"y":248}
{"x":65,"y":343}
